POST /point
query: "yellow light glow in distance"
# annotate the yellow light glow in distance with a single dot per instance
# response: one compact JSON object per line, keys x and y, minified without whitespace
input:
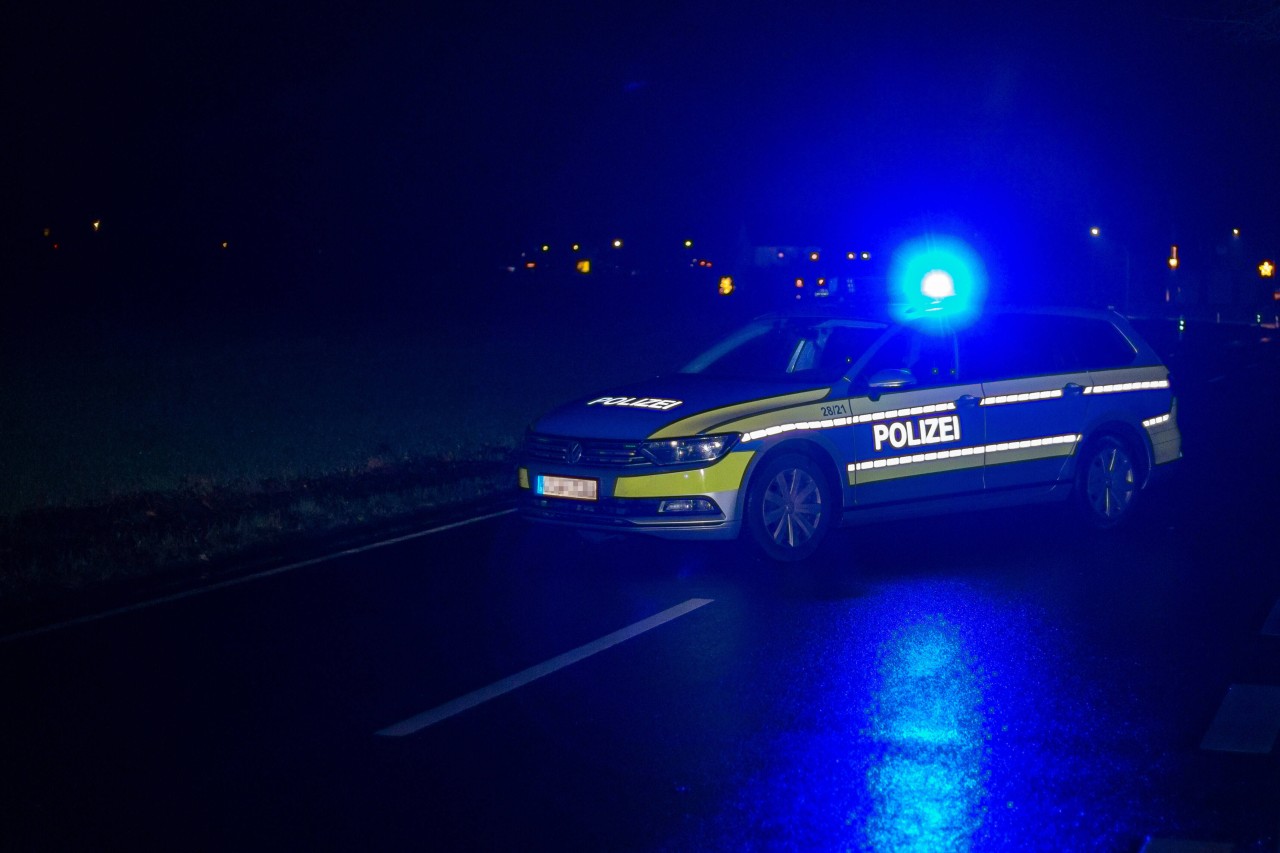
{"x":1266,"y":269}
{"x":617,"y":244}
{"x":97,"y":225}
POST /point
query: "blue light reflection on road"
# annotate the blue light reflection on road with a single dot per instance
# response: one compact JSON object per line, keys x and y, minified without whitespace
{"x":926,"y":784}
{"x":937,"y":714}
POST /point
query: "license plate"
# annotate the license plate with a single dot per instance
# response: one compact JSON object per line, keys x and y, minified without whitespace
{"x":575,"y":488}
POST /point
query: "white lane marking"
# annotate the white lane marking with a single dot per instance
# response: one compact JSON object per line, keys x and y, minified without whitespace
{"x":1182,"y":845}
{"x":1248,"y":720}
{"x":1271,"y":628}
{"x":520,"y":679}
{"x":279,"y":570}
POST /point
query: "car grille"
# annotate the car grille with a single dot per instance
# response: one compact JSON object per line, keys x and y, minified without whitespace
{"x":595,"y":452}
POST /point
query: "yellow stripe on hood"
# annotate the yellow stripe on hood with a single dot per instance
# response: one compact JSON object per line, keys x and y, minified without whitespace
{"x":706,"y":421}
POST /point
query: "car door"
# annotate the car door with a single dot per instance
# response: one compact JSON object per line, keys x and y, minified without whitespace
{"x":917,"y":429}
{"x":1033,"y":396}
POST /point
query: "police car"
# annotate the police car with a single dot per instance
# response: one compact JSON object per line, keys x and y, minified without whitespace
{"x":799,"y":422}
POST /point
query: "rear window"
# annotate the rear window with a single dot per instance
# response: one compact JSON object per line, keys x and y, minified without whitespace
{"x":1035,"y":344}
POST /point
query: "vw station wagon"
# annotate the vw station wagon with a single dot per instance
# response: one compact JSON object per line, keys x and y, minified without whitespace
{"x":800,"y":422}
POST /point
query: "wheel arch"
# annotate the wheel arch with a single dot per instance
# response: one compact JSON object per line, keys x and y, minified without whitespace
{"x":817,"y":452}
{"x":1135,"y":439}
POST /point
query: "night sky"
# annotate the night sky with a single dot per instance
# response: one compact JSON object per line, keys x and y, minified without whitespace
{"x":393,"y":137}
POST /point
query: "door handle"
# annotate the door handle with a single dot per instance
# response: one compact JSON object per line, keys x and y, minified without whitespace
{"x":966,"y":401}
{"x":1071,"y":389}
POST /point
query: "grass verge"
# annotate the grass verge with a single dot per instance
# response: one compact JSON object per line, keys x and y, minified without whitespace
{"x":135,"y":450}
{"x":54,"y":556}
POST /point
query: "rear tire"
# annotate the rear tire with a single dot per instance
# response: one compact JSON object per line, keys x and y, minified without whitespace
{"x":790,"y":507}
{"x":1106,"y":482}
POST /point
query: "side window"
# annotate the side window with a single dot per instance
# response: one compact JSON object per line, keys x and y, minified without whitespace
{"x":1096,"y":344}
{"x":842,"y":347}
{"x":930,"y":358}
{"x":1012,"y":346}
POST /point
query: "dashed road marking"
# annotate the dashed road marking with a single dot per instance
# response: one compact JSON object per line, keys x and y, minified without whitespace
{"x":1179,"y":845}
{"x":1271,"y":628}
{"x":520,"y":679}
{"x":1248,"y":720}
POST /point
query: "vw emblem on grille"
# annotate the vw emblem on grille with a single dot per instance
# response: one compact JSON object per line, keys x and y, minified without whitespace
{"x":574,"y":454}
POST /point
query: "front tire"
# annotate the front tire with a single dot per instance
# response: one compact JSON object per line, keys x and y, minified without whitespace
{"x":790,"y":507}
{"x":1107,"y":482}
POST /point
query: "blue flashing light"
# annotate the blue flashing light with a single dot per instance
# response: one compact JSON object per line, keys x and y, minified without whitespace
{"x":938,"y":285}
{"x":938,"y":275}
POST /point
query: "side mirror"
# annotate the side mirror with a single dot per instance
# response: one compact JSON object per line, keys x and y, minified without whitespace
{"x":891,"y":379}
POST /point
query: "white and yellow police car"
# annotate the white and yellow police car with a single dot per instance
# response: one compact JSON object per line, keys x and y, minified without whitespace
{"x":799,"y":422}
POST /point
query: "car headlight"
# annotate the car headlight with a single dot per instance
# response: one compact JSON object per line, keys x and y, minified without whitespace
{"x":681,"y":451}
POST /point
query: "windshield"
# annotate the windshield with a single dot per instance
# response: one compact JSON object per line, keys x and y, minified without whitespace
{"x":798,"y":349}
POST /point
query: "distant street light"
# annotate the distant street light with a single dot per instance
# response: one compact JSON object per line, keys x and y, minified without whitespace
{"x":1266,"y":269}
{"x":1096,"y":233}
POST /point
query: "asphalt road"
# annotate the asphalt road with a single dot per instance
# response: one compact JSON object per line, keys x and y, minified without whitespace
{"x":997,"y":681}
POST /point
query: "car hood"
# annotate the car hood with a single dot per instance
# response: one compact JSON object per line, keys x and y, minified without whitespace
{"x":638,"y":410}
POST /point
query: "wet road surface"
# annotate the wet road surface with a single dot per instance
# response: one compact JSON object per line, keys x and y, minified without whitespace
{"x":995,"y":681}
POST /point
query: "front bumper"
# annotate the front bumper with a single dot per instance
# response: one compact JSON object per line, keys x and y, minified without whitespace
{"x":654,"y":502}
{"x":624,"y":515}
